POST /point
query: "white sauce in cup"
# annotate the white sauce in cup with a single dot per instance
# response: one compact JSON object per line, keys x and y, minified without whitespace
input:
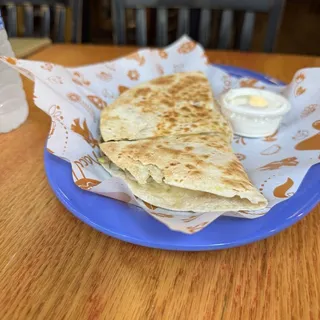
{"x":253,"y":112}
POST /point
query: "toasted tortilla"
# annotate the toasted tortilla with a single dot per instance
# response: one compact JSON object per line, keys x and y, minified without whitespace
{"x":177,"y":104}
{"x":196,"y":173}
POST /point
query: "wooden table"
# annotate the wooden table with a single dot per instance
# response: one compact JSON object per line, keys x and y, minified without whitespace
{"x":53,"y":266}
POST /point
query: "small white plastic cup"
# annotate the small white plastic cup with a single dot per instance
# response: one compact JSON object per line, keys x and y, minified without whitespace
{"x":254,"y":122}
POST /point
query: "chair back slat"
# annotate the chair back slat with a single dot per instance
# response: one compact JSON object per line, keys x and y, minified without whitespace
{"x":183,"y":22}
{"x":225,"y":32}
{"x":118,"y":22}
{"x":274,"y":22}
{"x":28,"y":19}
{"x":141,"y":27}
{"x":205,"y":27}
{"x":45,"y":20}
{"x":59,"y":22}
{"x":23,"y":10}
{"x":247,"y":31}
{"x":202,"y":27}
{"x":76,"y":23}
{"x":162,"y":27}
{"x":12,"y":20}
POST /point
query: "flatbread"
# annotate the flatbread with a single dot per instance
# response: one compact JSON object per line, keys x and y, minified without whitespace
{"x":179,"y":199}
{"x":196,"y":173}
{"x":181,"y":103}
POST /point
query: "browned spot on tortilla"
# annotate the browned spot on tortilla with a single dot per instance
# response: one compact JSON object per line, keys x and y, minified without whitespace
{"x":185,"y":109}
{"x":188,"y":148}
{"x":166,"y":80}
{"x":174,"y":164}
{"x":234,"y":168}
{"x":167,"y":102}
{"x":190,"y":166}
{"x":239,"y":185}
{"x":122,"y":89}
{"x":142,"y":92}
{"x":200,"y":162}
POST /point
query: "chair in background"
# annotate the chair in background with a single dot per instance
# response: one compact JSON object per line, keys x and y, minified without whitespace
{"x":59,"y":20}
{"x":226,"y":21}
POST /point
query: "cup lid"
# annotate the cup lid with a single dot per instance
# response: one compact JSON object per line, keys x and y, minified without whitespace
{"x":255,"y":102}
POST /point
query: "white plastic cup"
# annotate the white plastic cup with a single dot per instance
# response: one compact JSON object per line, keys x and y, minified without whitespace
{"x":13,"y":104}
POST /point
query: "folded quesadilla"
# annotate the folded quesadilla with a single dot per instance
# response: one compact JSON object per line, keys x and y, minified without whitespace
{"x":188,"y":172}
{"x":181,"y":103}
{"x":168,"y":140}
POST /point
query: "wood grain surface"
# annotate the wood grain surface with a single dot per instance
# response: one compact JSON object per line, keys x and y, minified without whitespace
{"x":53,"y":266}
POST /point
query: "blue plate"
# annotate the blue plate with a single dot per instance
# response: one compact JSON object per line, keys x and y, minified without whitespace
{"x":132,"y":224}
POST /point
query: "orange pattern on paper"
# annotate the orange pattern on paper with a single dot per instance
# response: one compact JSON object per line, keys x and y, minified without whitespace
{"x":197,"y":227}
{"x":271,"y":150}
{"x":85,"y":161}
{"x":287,"y":162}
{"x":191,"y":218}
{"x":240,"y":156}
{"x":98,"y":102}
{"x":299,"y":91}
{"x":312,"y":143}
{"x":56,"y":116}
{"x":309,"y":109}
{"x":86,"y":183}
{"x":186,"y":47}
{"x":104,"y":76}
{"x":133,"y":74}
{"x":111,"y":66}
{"x":226,"y":82}
{"x":84,"y":132}
{"x":11,"y":60}
{"x":300,"y":135}
{"x":135,"y":56}
{"x":122,"y":89}
{"x":239,"y":140}
{"x":250,"y":83}
{"x":160,"y":69}
{"x":29,"y":74}
{"x":74,"y":97}
{"x":47,"y":66}
{"x":150,"y":206}
{"x":271,"y":138}
{"x":300,"y":77}
{"x":161,"y":215}
{"x":79,"y":79}
{"x":163,"y":54}
{"x":281,"y":191}
{"x":55,"y":80}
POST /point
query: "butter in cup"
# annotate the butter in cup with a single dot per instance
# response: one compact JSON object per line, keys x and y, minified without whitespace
{"x":254,"y":113}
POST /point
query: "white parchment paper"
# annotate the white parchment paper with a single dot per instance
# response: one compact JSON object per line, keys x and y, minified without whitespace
{"x":74,"y":98}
